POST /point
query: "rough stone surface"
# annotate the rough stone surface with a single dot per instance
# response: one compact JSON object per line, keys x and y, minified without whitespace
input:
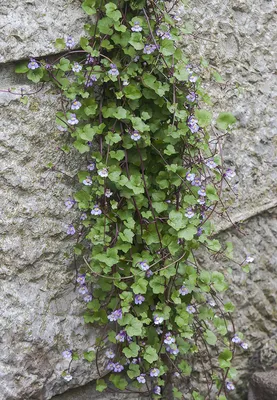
{"x":29,"y":28}
{"x":40,"y":313}
{"x":263,"y":386}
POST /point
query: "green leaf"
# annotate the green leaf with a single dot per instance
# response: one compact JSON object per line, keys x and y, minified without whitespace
{"x":176,"y":220}
{"x":217,"y":77}
{"x":131,"y":351}
{"x":225,"y":120}
{"x":157,"y":283}
{"x":150,"y":354}
{"x":204,"y":117}
{"x":224,"y":358}
{"x":229,"y":307}
{"x":134,"y":328}
{"x":118,"y":381}
{"x":133,"y":371}
{"x":35,"y":75}
{"x":167,"y":47}
{"x":88,"y":7}
{"x":185,"y":368}
{"x":21,"y":68}
{"x":210,"y":337}
{"x":136,"y":41}
{"x":89,"y":356}
{"x":132,"y":92}
{"x":211,"y":193}
{"x":187,"y":233}
{"x":81,"y":147}
{"x":60,"y":44}
{"x":100,"y":385}
{"x":140,"y":286}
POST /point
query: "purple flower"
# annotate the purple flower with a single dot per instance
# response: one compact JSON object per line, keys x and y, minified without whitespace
{"x":202,"y":192}
{"x":163,"y":35}
{"x":87,"y":181}
{"x":135,"y":135}
{"x":149,"y":49}
{"x":125,"y":83}
{"x":244,"y":345}
{"x":62,"y":128}
{"x":70,"y":42}
{"x":196,"y":182}
{"x":201,"y":201}
{"x":191,"y":309}
{"x":189,"y":213}
{"x":96,"y":210}
{"x":159,"y":331}
{"x":83,"y":217}
{"x":91,"y":166}
{"x":139,"y":299}
{"x":173,"y":349}
{"x":83,"y":290}
{"x":121,"y":336}
{"x":230,"y":386}
{"x":103,"y":172}
{"x":136,"y":58}
{"x":249,"y":259}
{"x":77,"y":67}
{"x":33,"y":64}
{"x":193,"y":124}
{"x":76,"y":105}
{"x":141,"y":378}
{"x":67,"y":377}
{"x":118,"y":367}
{"x":113,"y":71}
{"x":91,"y":80}
{"x":143,"y":265}
{"x":157,"y":390}
{"x":199,"y":231}
{"x":191,"y":97}
{"x":67,"y":354}
{"x":154,"y":372}
{"x":89,"y":59}
{"x":190,"y":177}
{"x":148,"y":273}
{"x":211,"y":164}
{"x":115,"y":315}
{"x":236,"y":339}
{"x":110,"y":354}
{"x":229,"y":173}
{"x":169,"y":339}
{"x":193,"y":78}
{"x":183,"y":290}
{"x":211,"y":302}
{"x":70,"y":230}
{"x":110,"y":366}
{"x":108,"y":193}
{"x":69,"y":203}
{"x":73,"y":120}
{"x":81,"y":279}
{"x":158,"y":320}
{"x":176,"y":374}
{"x":87,"y":298}
{"x":136,"y":27}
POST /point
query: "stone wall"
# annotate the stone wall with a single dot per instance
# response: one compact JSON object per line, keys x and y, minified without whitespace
{"x":40,"y":312}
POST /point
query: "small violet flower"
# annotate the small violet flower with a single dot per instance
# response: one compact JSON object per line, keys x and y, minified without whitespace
{"x":69,"y":203}
{"x":196,"y":182}
{"x":189,"y":213}
{"x":120,"y":337}
{"x":154,"y":372}
{"x":139,"y":299}
{"x":62,"y":128}
{"x":70,"y":42}
{"x":81,"y":279}
{"x":118,"y":367}
{"x":157,"y":390}
{"x":115,"y":315}
{"x":91,"y":80}
{"x":191,"y":309}
{"x":191,"y":97}
{"x":77,"y":67}
{"x":103,"y":172}
{"x":33,"y":64}
{"x":96,"y":210}
{"x":148,"y":273}
{"x":249,"y":259}
{"x":236,"y":339}
{"x":109,"y":354}
{"x":229,"y":173}
{"x":158,"y":320}
{"x":141,"y":378}
{"x":135,"y":135}
{"x":201,"y":201}
{"x":244,"y":345}
{"x":67,"y":354}
{"x":125,"y":83}
{"x":108,"y":193}
{"x":91,"y":166}
{"x":87,"y":298}
{"x":149,"y":49}
{"x":230,"y":386}
{"x":83,"y":217}
{"x":113,"y":71}
{"x":143,"y":265}
{"x":76,"y":105}
{"x":110,"y":366}
{"x":83,"y":290}
{"x":211,"y":164}
{"x":67,"y":377}
{"x":183,"y":290}
{"x":73,"y":120}
{"x":169,"y":339}
{"x":202,"y":192}
{"x":87,"y":181}
{"x":190,"y":176}
{"x":70,"y":230}
{"x":89,"y":59}
{"x":136,"y":27}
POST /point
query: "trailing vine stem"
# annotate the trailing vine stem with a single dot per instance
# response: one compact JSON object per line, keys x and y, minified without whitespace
{"x":133,"y":105}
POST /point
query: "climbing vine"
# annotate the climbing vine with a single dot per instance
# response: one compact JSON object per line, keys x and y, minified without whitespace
{"x":133,"y":105}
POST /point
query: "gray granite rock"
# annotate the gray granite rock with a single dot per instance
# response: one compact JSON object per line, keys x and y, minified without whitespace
{"x":263,"y":386}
